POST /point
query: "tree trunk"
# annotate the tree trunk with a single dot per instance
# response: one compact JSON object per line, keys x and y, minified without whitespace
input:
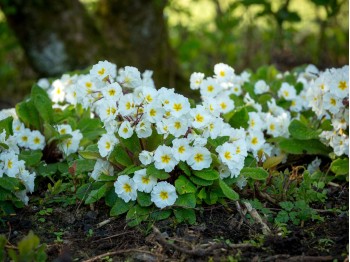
{"x":138,"y":31}
{"x":57,"y":36}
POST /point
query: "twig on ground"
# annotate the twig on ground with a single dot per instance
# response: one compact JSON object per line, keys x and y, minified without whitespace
{"x":109,"y":237}
{"x":255,"y":215}
{"x":105,"y":222}
{"x":112,"y":253}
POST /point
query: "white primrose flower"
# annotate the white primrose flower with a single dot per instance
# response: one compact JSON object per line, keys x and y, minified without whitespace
{"x":224,"y":171}
{"x":340,"y":82}
{"x":111,"y":126}
{"x":177,"y":126}
{"x":71,"y":145}
{"x":181,"y":149}
{"x":154,"y":111}
{"x":104,"y":69}
{"x":332,"y":103}
{"x":261,"y":87}
{"x":146,"y":157}
{"x":297,"y":104}
{"x":125,"y":130}
{"x":209,"y":87}
{"x":200,"y":158}
{"x":28,"y":180}
{"x":101,"y":167}
{"x":164,"y":158}
{"x":107,"y":110}
{"x":178,"y":105}
{"x":232,"y":154}
{"x":211,"y":105}
{"x":144,"y":182}
{"x":127,"y":105}
{"x":17,"y":126}
{"x":36,"y":140}
{"x":85,"y":86}
{"x":163,"y":194}
{"x":213,"y":128}
{"x":125,"y":188}
{"x":129,"y":77}
{"x":236,"y":89}
{"x":340,"y":144}
{"x":64,"y":129}
{"x":223,"y":72}
{"x":143,"y":129}
{"x":287,"y":92}
{"x":244,"y":77}
{"x":255,"y":122}
{"x":149,"y":94}
{"x":12,"y":165}
{"x":255,"y":140}
{"x":163,"y":127}
{"x":57,"y":91}
{"x":200,"y":117}
{"x":23,"y":137}
{"x":225,"y":103}
{"x":112,"y":92}
{"x":196,"y":80}
{"x":106,"y":144}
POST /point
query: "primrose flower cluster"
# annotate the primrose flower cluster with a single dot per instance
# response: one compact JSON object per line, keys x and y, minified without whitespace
{"x":23,"y":139}
{"x":329,"y":99}
{"x":129,"y":104}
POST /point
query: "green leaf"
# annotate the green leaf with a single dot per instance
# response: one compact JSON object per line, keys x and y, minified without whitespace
{"x":144,"y":199}
{"x":91,"y":128}
{"x":240,"y":118}
{"x":120,"y":207}
{"x":296,"y":146}
{"x":282,"y":217}
{"x":129,"y":170}
{"x":340,"y":166}
{"x":186,"y":200}
{"x":184,"y":167}
{"x":132,"y":143}
{"x":6,"y":124}
{"x":202,"y":194}
{"x":31,"y":157}
{"x":301,"y":131}
{"x":9,"y":183}
{"x":207,"y":174}
{"x":28,"y":114}
{"x":136,"y":215}
{"x":185,"y":215}
{"x":160,"y":214}
{"x":228,"y":191}
{"x":97,"y":194}
{"x":84,"y":165}
{"x":46,"y":169}
{"x":151,"y":170}
{"x":111,"y":197}
{"x":42,"y":103}
{"x":201,"y":182}
{"x":273,"y":161}
{"x":256,"y":173}
{"x":218,"y":141}
{"x":287,"y":205}
{"x":91,"y":152}
{"x":120,"y":156}
{"x":183,"y":185}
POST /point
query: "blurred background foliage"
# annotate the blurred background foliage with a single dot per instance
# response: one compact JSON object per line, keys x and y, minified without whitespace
{"x":245,"y":34}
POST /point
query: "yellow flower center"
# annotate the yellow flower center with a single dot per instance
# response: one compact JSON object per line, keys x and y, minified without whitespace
{"x":24,"y":138}
{"x":222,"y":73}
{"x":227,"y":155}
{"x":238,"y":150}
{"x":223,"y":105}
{"x":255,"y":140}
{"x":177,"y":107}
{"x":164,"y":195}
{"x":198,"y":157}
{"x":9,"y":164}
{"x":286,"y":93}
{"x":177,"y":125}
{"x":342,"y":85}
{"x":145,"y":180}
{"x":210,"y":88}
{"x":153,"y":112}
{"x":111,"y":92}
{"x":108,"y":145}
{"x":199,"y":118}
{"x":101,"y":71}
{"x":165,"y":159}
{"x":127,"y":188}
{"x":333,"y":102}
{"x":36,"y":140}
{"x":181,"y":149}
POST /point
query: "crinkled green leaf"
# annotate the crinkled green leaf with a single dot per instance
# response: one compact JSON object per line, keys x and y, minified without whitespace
{"x":301,"y":131}
{"x":228,"y":191}
{"x":207,"y":174}
{"x":183,"y":185}
{"x":340,"y":166}
{"x":160,"y":174}
{"x":186,"y":200}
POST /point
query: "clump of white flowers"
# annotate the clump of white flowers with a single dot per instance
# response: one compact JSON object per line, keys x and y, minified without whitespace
{"x":329,"y":99}
{"x":10,"y":148}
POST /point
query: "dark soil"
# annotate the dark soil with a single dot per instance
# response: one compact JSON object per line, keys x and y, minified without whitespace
{"x":220,"y":234}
